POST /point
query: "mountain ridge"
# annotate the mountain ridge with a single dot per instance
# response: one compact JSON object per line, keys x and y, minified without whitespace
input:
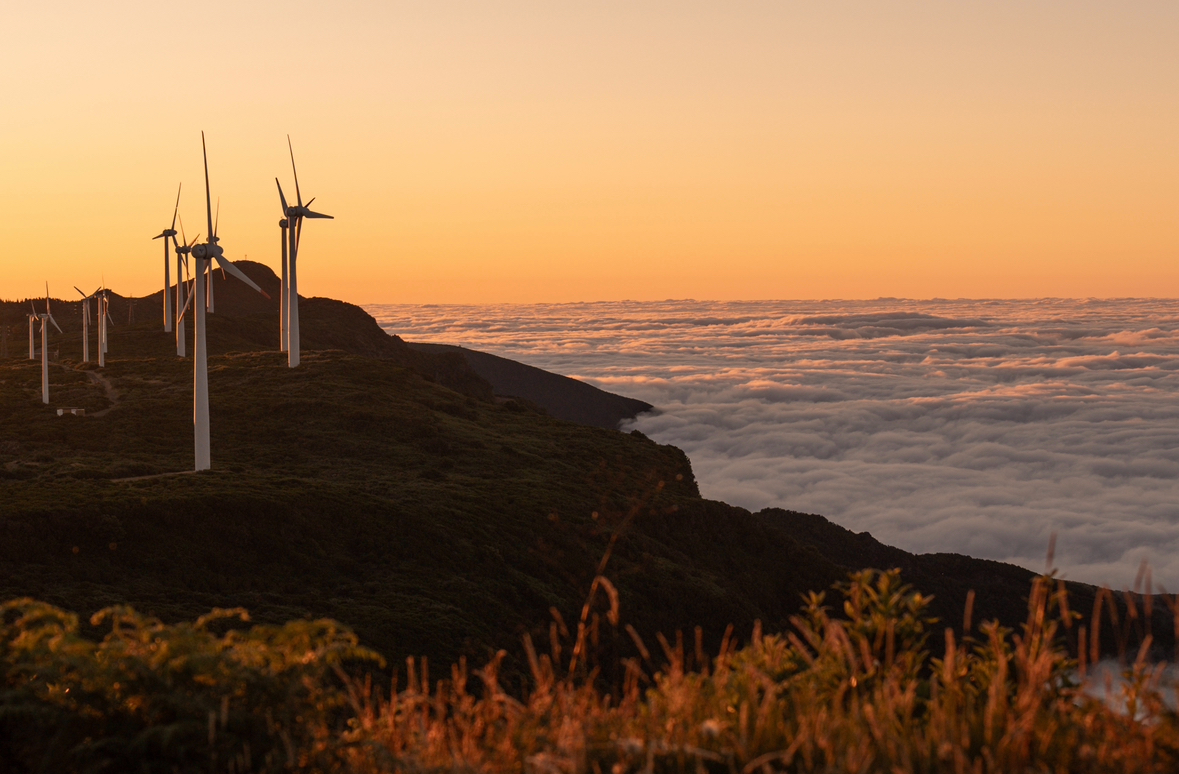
{"x":387,"y":488}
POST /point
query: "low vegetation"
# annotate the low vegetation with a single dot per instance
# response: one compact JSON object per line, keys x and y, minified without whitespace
{"x":850,"y":687}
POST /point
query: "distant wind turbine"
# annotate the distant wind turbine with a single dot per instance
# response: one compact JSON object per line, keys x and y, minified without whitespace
{"x":86,"y":299}
{"x":166,"y":234}
{"x":289,"y":313}
{"x":104,"y":323}
{"x":45,"y":319}
{"x":204,"y":254}
{"x":209,"y":277}
{"x":32,"y":347}
{"x":183,"y":249}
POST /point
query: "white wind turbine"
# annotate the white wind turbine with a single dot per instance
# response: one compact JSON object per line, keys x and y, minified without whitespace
{"x":204,"y":254}
{"x":292,"y":227}
{"x":209,"y":303}
{"x":86,"y":299}
{"x":183,"y":287}
{"x":282,"y":293}
{"x":104,"y":323}
{"x":45,"y":319}
{"x":167,"y":233}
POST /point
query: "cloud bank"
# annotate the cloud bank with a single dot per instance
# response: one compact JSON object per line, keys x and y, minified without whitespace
{"x":979,"y":427}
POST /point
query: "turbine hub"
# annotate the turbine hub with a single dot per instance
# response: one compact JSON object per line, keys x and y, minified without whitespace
{"x":282,"y":223}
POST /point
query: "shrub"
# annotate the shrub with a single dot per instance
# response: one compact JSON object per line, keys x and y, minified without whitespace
{"x":152,"y":697}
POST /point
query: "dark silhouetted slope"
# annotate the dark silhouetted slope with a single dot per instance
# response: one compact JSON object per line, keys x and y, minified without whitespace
{"x":560,"y":396}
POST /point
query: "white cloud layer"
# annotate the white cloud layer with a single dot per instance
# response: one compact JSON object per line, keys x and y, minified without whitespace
{"x":979,"y":427}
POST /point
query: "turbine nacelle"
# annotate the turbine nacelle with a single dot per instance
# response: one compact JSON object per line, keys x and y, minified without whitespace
{"x":208,"y":250}
{"x":301,"y":211}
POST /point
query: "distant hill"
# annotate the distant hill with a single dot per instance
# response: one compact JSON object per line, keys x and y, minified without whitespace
{"x":560,"y":396}
{"x":385,"y":486}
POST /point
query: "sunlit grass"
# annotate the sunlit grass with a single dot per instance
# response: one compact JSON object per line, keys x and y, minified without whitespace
{"x":850,"y":687}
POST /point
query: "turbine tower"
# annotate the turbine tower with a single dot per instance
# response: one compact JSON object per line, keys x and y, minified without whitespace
{"x":45,"y":319}
{"x":204,"y":254}
{"x":167,"y":233}
{"x":32,"y":346}
{"x":290,"y":292}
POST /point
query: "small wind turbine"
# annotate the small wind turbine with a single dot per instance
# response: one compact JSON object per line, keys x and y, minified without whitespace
{"x":45,"y":345}
{"x":183,"y":249}
{"x":209,"y":305}
{"x":167,"y":233}
{"x":86,"y":322}
{"x":104,"y":323}
{"x":282,"y":295}
{"x":289,"y":321}
{"x":204,"y":254}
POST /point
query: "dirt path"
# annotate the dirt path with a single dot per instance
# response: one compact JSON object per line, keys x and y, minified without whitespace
{"x":108,"y":389}
{"x":153,"y":475}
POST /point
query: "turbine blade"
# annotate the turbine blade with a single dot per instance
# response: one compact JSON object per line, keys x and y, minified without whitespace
{"x":157,"y":236}
{"x":183,"y":238}
{"x":208,"y":198}
{"x":55,"y":325}
{"x":298,"y":196}
{"x":187,"y":303}
{"x":80,"y":291}
{"x":281,"y":198}
{"x":176,"y":211}
{"x":227,"y":265}
{"x":310,"y":214}
{"x":217,"y":218}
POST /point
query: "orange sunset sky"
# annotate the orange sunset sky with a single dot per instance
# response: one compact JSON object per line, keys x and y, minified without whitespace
{"x":557,"y":151}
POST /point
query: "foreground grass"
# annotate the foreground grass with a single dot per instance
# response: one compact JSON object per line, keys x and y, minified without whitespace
{"x":853,"y":691}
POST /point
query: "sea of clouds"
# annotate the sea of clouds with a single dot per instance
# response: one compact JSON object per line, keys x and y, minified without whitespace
{"x":978,"y":427}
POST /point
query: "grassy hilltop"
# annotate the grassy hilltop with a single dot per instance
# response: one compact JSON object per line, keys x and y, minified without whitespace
{"x":387,"y":488}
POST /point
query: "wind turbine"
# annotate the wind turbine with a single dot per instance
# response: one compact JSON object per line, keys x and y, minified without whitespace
{"x":86,"y":322}
{"x":32,"y":346}
{"x":167,"y":233}
{"x":283,"y":302}
{"x":209,"y":278}
{"x":290,"y":291}
{"x":45,"y":345}
{"x":182,"y":252}
{"x":104,"y":323}
{"x":204,"y":254}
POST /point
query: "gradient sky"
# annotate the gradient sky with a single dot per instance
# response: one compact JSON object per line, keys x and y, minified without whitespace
{"x":551,"y":151}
